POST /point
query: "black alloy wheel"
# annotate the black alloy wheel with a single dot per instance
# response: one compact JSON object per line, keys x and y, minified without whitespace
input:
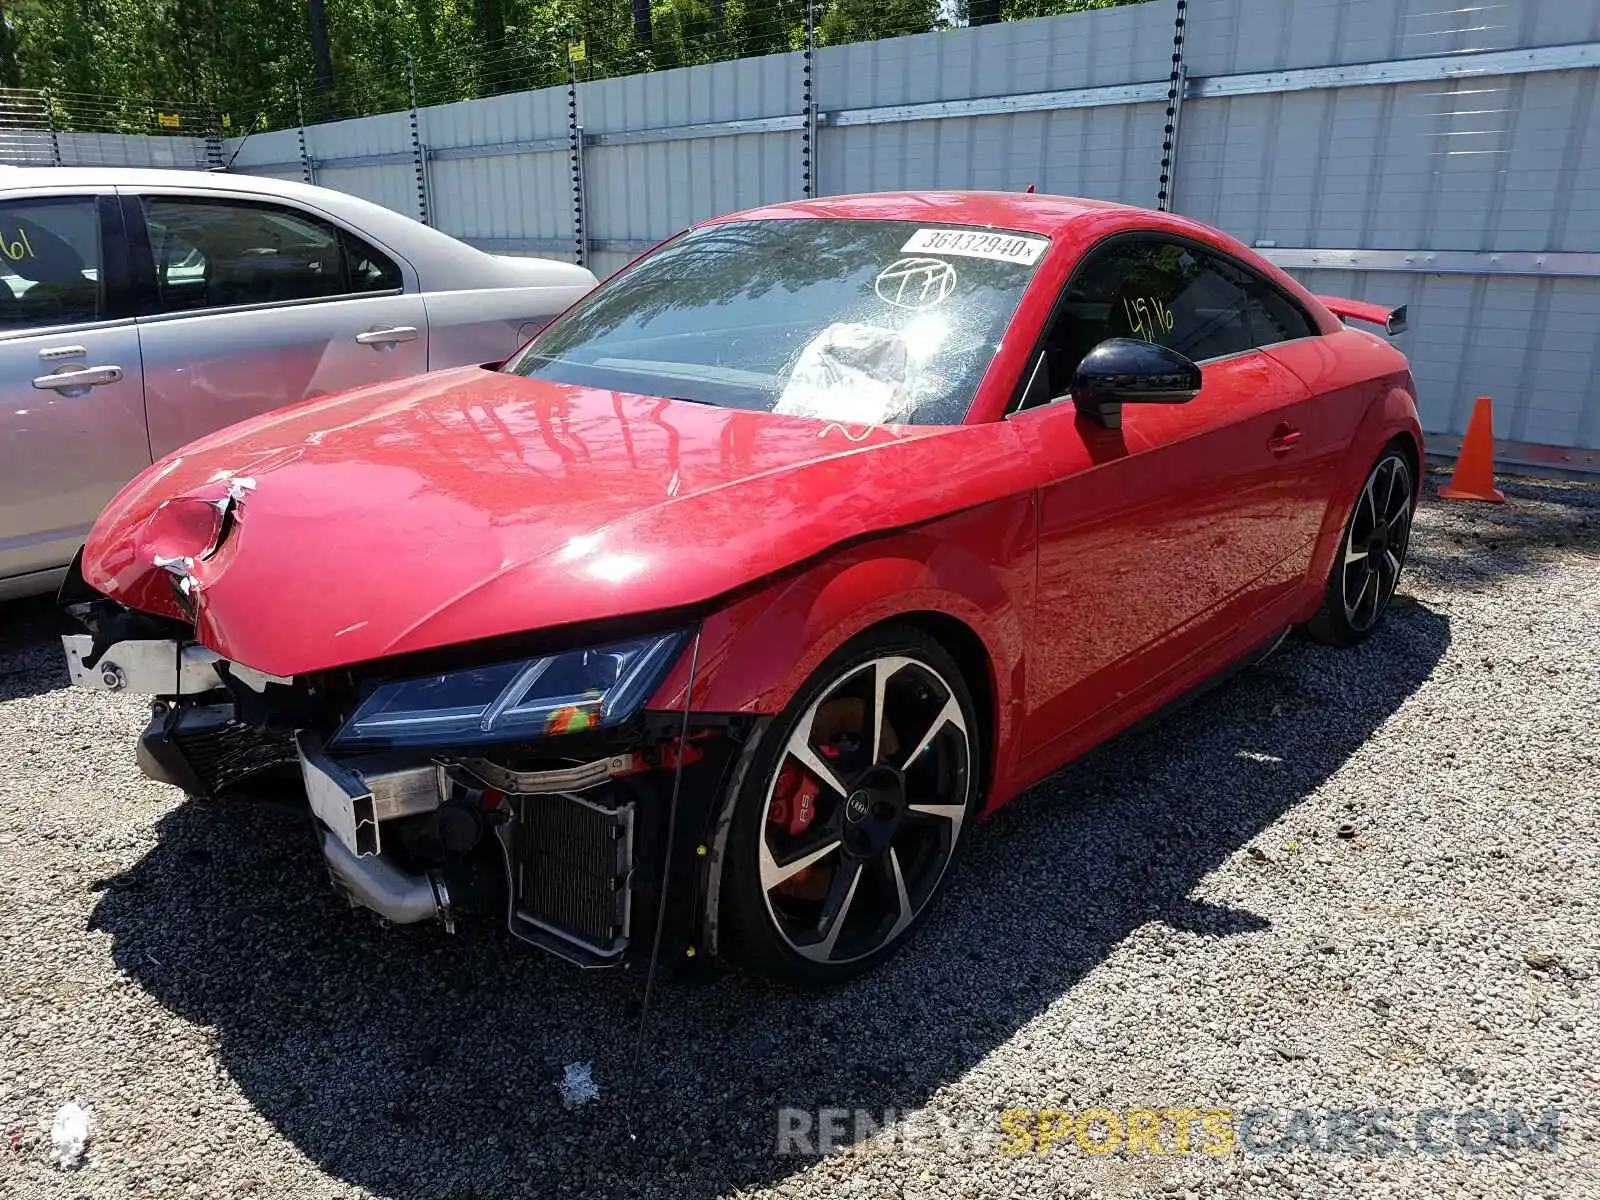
{"x":852,"y":814}
{"x":1371,"y":555}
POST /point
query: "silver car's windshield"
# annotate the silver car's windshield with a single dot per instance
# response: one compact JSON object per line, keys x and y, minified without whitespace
{"x":849,"y":320}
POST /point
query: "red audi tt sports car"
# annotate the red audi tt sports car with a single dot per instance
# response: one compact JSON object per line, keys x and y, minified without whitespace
{"x":733,"y":599}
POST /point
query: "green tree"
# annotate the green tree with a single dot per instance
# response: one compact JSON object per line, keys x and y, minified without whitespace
{"x":317,"y":21}
{"x":863,"y":20}
{"x":989,"y":12}
{"x":10,"y":72}
{"x":116,"y":63}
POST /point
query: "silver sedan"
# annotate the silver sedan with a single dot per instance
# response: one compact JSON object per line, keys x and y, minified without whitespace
{"x":142,"y":309}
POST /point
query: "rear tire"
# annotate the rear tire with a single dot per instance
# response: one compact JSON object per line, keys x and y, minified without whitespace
{"x":854,"y":811}
{"x":1370,"y":557}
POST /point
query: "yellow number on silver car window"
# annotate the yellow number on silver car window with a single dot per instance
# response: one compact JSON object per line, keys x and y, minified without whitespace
{"x":18,"y":248}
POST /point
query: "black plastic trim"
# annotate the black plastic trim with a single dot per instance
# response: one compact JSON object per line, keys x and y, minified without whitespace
{"x":160,"y":758}
{"x":116,"y":270}
{"x":142,"y":257}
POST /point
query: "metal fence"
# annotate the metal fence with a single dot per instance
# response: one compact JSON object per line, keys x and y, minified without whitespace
{"x":39,"y":127}
{"x":1441,"y":153}
{"x":1410,"y":151}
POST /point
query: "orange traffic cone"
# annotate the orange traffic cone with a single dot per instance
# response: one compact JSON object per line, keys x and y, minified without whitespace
{"x":1474,"y":474}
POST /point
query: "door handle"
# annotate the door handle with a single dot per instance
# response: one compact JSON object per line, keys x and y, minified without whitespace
{"x":1284,"y":439}
{"x":388,"y":337}
{"x":81,"y":377}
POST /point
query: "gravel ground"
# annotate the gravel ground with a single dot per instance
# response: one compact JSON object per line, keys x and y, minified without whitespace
{"x":1176,"y":922}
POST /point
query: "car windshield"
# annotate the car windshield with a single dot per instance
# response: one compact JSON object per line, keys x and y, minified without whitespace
{"x":870,"y":322}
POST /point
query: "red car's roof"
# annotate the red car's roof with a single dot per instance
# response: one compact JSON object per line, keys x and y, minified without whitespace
{"x":1027,"y":212}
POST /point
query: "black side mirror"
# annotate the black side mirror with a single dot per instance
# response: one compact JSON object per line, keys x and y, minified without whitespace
{"x":1127,"y":371}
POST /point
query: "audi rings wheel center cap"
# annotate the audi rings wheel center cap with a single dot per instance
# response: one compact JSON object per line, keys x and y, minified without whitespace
{"x":873,"y":810}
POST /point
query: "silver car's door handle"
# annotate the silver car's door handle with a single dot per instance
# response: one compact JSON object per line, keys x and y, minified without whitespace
{"x":387,"y":337}
{"x":83,"y":377}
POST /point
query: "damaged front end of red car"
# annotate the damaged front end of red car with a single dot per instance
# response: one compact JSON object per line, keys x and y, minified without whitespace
{"x":521,"y":777}
{"x":458,"y":614}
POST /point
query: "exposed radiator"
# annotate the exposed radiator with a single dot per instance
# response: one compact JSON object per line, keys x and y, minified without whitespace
{"x":574,"y":856}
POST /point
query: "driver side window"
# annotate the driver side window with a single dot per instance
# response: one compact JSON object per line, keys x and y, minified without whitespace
{"x":1170,"y":292}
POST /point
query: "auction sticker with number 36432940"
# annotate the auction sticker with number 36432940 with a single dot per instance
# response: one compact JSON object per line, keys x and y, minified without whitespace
{"x":978,"y":243}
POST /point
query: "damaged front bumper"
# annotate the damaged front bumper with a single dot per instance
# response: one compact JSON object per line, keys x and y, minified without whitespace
{"x":564,"y":835}
{"x":195,"y":739}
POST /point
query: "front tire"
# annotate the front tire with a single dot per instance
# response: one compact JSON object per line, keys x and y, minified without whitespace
{"x":852,"y":813}
{"x":1371,"y":555}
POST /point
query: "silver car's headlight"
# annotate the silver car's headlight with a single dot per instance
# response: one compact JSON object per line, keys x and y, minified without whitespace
{"x":514,"y":701}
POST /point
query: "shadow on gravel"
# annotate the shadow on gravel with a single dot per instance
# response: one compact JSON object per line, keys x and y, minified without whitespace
{"x":1475,"y":546}
{"x":416,"y":1065}
{"x":31,"y":661}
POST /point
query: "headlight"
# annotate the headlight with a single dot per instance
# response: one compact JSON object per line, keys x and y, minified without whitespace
{"x":528,"y":698}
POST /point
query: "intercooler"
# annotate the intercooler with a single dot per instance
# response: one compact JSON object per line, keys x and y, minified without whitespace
{"x":206,"y":751}
{"x":573,"y":856}
{"x":224,"y":755}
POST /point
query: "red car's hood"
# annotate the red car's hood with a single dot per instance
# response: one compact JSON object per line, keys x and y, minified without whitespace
{"x":468,"y":504}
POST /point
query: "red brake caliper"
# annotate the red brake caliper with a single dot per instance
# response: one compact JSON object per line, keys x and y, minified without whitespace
{"x":794,"y":801}
{"x":793,"y":808}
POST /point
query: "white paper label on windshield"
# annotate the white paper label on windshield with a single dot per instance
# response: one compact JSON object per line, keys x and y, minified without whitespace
{"x":975,"y":243}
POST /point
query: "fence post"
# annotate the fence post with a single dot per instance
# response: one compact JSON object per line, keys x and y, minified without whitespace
{"x":214,"y":160}
{"x":1169,"y":144}
{"x":50,"y":124}
{"x":418,"y":154}
{"x":307,"y":173}
{"x":575,"y":149}
{"x":808,"y":133}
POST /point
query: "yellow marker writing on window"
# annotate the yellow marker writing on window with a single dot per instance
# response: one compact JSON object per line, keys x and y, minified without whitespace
{"x":1148,"y":318}
{"x":18,"y":248}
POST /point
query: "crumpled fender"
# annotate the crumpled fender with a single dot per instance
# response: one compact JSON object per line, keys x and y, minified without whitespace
{"x":178,"y":540}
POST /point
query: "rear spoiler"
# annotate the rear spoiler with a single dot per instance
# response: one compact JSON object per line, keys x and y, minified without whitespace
{"x":1389,"y":320}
